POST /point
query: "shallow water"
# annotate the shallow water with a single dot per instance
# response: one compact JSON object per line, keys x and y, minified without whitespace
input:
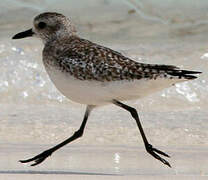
{"x":33,"y":112}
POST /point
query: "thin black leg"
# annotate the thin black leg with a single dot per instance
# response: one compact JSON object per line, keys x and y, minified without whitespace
{"x":149,"y":148}
{"x":42,"y":156}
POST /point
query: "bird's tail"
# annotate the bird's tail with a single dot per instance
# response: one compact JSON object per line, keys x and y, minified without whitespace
{"x":186,"y":74}
{"x":176,"y":72}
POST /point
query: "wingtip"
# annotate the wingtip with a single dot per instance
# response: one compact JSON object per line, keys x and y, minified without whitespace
{"x":191,"y":72}
{"x":188,"y":74}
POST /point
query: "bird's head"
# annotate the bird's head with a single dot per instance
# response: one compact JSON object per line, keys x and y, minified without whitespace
{"x":48,"y":26}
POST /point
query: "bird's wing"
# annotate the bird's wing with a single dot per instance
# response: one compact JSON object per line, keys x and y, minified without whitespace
{"x":88,"y":61}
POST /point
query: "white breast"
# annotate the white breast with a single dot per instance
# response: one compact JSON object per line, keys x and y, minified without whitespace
{"x":99,"y":93}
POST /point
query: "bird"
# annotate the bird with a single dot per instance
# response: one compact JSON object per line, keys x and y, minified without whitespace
{"x":94,"y":75}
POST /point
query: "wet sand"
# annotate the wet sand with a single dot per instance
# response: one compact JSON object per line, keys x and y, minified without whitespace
{"x":103,"y":162}
{"x":111,"y":147}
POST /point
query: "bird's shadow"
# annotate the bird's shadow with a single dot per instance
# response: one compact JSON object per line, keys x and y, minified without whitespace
{"x":55,"y":172}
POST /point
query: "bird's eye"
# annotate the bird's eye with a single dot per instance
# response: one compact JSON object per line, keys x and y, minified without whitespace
{"x":41,"y":25}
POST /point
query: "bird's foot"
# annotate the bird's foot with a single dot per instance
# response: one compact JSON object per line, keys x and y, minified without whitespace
{"x":39,"y":158}
{"x":154,"y":152}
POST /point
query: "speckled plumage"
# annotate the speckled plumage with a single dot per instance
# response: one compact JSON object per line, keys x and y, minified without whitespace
{"x":88,"y":61}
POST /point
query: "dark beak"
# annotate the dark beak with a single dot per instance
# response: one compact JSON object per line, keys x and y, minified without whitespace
{"x":23,"y":34}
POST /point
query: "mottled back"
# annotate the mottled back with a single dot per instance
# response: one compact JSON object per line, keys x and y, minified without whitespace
{"x":88,"y":61}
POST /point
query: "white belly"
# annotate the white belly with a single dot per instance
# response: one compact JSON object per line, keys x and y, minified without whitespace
{"x":100,"y":93}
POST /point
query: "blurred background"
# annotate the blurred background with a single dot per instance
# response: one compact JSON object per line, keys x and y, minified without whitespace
{"x":34,"y":114}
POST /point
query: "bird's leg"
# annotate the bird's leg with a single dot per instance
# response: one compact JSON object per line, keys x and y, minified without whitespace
{"x":42,"y":156}
{"x":149,"y":148}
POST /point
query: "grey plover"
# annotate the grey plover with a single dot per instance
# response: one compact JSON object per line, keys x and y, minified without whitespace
{"x":91,"y":74}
